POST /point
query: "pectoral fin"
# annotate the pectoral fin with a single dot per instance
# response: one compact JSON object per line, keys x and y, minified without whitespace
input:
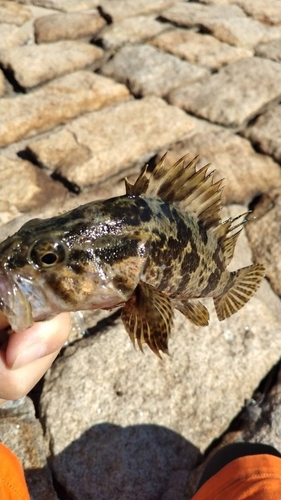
{"x":194,"y":311}
{"x":245,"y":283}
{"x":148,"y":317}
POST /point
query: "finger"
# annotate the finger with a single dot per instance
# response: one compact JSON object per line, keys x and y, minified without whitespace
{"x":38,"y":341}
{"x":17,"y":383}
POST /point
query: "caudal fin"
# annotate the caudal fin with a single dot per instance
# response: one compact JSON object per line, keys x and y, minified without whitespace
{"x":245,"y":283}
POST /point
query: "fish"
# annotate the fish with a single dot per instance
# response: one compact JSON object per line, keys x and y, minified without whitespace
{"x":161,"y":246}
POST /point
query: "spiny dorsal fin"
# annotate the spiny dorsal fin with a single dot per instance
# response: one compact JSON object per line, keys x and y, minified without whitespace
{"x":244,"y":284}
{"x":227,"y":242}
{"x":194,"y":190}
{"x":194,"y":311}
{"x":148,"y":317}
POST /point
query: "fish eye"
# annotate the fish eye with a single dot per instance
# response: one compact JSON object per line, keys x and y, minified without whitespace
{"x":47,"y":253}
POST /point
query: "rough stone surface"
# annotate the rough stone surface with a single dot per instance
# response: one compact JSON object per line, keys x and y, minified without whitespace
{"x":122,"y":136}
{"x":270,"y":50}
{"x":67,"y":26}
{"x":265,"y":132}
{"x":242,"y":89}
{"x":247,"y":174}
{"x":268,"y":229}
{"x":197,"y":48}
{"x":268,"y":12}
{"x":149,"y":71}
{"x":23,"y":434}
{"x":48,"y":61}
{"x":239,"y":31}
{"x":56,"y":103}
{"x":12,"y":35}
{"x":131,"y":30}
{"x":13,"y":13}
{"x":40,"y":187}
{"x":65,"y":5}
{"x":120,"y":9}
{"x":142,"y":398}
{"x":194,"y":14}
{"x":2,"y":83}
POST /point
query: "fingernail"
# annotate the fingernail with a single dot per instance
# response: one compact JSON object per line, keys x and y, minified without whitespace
{"x":29,"y":354}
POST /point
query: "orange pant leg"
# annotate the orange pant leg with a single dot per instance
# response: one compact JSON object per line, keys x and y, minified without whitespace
{"x":254,"y":477}
{"x":12,"y":481}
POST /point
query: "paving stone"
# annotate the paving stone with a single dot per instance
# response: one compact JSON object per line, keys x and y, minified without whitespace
{"x":2,"y":83}
{"x":65,"y":5}
{"x":194,"y":14}
{"x":267,"y":230}
{"x":56,"y":103}
{"x":16,"y":175}
{"x":21,"y":431}
{"x":48,"y":61}
{"x":239,"y":31}
{"x":120,"y":9}
{"x":197,"y":48}
{"x":268,"y":12}
{"x":67,"y":26}
{"x":265,"y":132}
{"x":14,"y":13}
{"x":270,"y":50}
{"x":12,"y":35}
{"x":124,"y":135}
{"x":132,"y":30}
{"x":149,"y":71}
{"x":58,"y":151}
{"x":247,"y":174}
{"x":144,"y":400}
{"x":242,"y":90}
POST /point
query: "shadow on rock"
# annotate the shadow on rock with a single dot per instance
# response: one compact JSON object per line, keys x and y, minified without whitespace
{"x":144,"y":462}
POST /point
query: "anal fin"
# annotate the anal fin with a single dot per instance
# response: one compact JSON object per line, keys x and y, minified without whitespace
{"x":148,"y":317}
{"x":194,"y":311}
{"x":243,"y":286}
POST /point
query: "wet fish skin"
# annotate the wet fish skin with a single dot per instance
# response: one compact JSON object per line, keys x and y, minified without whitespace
{"x":149,"y":251}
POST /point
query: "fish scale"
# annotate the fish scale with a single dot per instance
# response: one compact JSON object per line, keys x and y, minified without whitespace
{"x":159,"y":247}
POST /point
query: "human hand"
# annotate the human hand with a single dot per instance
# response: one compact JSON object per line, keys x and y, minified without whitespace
{"x":26,"y":356}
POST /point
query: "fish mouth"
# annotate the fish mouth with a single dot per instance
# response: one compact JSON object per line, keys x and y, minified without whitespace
{"x":14,"y":303}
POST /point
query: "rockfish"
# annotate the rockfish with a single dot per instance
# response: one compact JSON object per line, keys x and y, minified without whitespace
{"x":161,"y":246}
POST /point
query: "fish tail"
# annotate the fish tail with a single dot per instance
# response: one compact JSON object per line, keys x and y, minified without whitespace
{"x":243,"y":284}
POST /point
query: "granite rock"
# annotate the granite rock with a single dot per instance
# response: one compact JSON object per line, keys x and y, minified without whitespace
{"x":239,"y":31}
{"x":15,"y":175}
{"x":242,"y":89}
{"x":132,"y":30}
{"x":2,"y":83}
{"x":268,"y":12}
{"x":23,"y":434}
{"x":124,"y":135}
{"x":265,"y":132}
{"x":12,"y":35}
{"x":14,"y":13}
{"x":120,"y":9}
{"x":48,"y":61}
{"x":67,"y":26}
{"x":198,"y":48}
{"x":266,"y":228}
{"x":65,"y":5}
{"x":149,"y":71}
{"x":193,"y":14}
{"x":56,"y":103}
{"x":270,"y":50}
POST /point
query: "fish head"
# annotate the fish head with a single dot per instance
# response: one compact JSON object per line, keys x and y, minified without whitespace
{"x":52,"y":266}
